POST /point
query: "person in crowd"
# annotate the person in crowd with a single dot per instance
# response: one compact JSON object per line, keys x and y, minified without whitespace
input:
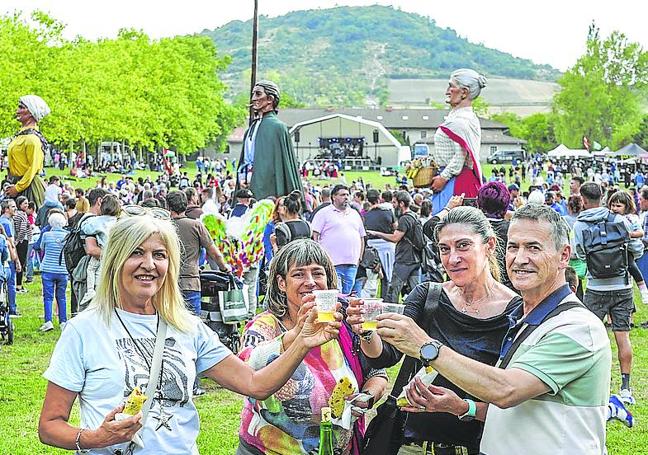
{"x":95,"y":232}
{"x":35,"y":233}
{"x":471,"y":316}
{"x":288,"y":422}
{"x":457,"y":141}
{"x":193,"y":204}
{"x":267,"y":165}
{"x":575,"y":184}
{"x":339,"y":229}
{"x":138,"y":297}
{"x":193,"y":236}
{"x":622,"y":203}
{"x":380,"y":218}
{"x":557,"y":374}
{"x":250,"y":277}
{"x":550,"y":200}
{"x":292,"y":226}
{"x":536,"y":197}
{"x":407,"y":262}
{"x":642,"y":262}
{"x":9,"y":208}
{"x":82,"y":203}
{"x":243,"y":201}
{"x":52,"y":195}
{"x":26,"y":152}
{"x":611,"y":296}
{"x":22,"y":228}
{"x":493,"y":200}
{"x":71,"y":213}
{"x":574,"y":208}
{"x":53,"y":272}
{"x":325,"y":201}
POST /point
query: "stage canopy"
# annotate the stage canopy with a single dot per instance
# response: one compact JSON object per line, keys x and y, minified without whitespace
{"x":311,"y":137}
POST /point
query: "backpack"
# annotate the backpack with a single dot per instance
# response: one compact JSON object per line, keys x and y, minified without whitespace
{"x":606,"y":248}
{"x":74,"y":246}
{"x":300,"y":232}
{"x":418,"y":238}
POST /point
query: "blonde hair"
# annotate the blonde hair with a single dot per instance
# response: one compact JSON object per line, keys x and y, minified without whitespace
{"x":124,"y":238}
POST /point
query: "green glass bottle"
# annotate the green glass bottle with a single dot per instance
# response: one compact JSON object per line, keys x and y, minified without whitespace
{"x":326,"y":433}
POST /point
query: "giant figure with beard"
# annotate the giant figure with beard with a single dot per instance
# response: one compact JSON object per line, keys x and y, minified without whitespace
{"x":267,"y":165}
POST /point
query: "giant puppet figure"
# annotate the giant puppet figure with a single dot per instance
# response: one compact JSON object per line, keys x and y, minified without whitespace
{"x":457,"y":141}
{"x":267,"y":165}
{"x":26,"y":151}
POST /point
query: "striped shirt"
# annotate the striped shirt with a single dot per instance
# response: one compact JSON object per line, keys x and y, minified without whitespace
{"x":21,"y":226}
{"x":52,"y":245}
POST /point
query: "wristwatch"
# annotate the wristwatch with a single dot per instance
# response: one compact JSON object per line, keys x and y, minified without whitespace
{"x":470,"y":413}
{"x":429,"y":352}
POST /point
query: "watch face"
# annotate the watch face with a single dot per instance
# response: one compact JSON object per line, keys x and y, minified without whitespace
{"x":429,"y":352}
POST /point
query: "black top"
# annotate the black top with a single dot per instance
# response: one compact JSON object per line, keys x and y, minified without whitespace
{"x":501,"y":232}
{"x":479,"y":339}
{"x":404,"y":249}
{"x":379,"y":219}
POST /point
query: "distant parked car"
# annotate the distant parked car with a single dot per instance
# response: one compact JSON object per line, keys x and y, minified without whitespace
{"x":506,"y":156}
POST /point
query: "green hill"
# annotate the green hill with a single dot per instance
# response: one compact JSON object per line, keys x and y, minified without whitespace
{"x":345,"y":55}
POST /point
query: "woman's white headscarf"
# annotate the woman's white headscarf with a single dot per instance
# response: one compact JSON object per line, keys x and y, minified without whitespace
{"x":37,"y":107}
{"x":469,"y":79}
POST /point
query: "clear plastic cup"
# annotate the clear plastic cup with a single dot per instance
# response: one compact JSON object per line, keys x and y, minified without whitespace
{"x":393,"y":308}
{"x":325,"y":301}
{"x":372,"y":308}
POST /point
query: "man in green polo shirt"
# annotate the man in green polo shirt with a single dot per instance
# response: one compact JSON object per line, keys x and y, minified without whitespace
{"x":549,"y":392}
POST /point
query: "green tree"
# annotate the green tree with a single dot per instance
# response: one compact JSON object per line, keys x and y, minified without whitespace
{"x":601,"y":95}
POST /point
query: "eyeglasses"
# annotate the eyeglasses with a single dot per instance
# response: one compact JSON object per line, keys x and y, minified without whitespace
{"x":155,"y":212}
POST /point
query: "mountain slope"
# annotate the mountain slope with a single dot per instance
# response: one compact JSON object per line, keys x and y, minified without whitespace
{"x":346,"y":55}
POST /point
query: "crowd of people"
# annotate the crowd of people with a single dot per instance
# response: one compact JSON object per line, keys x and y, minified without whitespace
{"x":491,"y":277}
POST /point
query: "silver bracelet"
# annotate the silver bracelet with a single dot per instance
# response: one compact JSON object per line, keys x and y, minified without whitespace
{"x":78,"y":440}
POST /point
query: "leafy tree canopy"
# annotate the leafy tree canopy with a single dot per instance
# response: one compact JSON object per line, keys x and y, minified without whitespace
{"x":602,"y":94}
{"x":147,"y":93}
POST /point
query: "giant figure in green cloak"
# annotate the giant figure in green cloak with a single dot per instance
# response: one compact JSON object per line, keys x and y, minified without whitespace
{"x":267,"y":165}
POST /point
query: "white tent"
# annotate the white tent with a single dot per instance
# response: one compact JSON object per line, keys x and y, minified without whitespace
{"x":563,"y":152}
{"x":388,"y":148}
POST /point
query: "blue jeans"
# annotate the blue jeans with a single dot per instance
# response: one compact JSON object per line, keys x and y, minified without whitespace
{"x":11,"y":287}
{"x":54,"y":283}
{"x":346,"y":277}
{"x":29,"y":272}
{"x":192,"y":300}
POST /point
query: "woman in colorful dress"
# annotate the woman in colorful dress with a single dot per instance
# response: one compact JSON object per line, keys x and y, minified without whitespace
{"x":457,"y":141}
{"x":288,"y":422}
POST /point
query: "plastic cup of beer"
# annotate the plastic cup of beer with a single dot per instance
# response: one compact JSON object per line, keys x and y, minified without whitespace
{"x":393,"y":308}
{"x":372,"y":308}
{"x":325,"y":301}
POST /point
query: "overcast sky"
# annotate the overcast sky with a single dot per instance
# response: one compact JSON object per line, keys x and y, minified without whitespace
{"x":548,"y":31}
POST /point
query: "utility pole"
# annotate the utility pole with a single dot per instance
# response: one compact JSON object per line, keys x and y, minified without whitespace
{"x":255,"y":32}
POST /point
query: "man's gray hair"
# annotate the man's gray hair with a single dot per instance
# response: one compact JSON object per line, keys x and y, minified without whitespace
{"x":537,"y":212}
{"x":298,"y":253}
{"x":470,"y":79}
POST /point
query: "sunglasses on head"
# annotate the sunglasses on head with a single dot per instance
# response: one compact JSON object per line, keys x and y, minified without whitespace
{"x":155,"y":212}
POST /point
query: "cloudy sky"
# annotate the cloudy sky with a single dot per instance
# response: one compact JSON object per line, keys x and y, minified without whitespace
{"x":549,"y":31}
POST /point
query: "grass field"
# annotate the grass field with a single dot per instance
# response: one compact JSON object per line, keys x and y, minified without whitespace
{"x":22,"y":386}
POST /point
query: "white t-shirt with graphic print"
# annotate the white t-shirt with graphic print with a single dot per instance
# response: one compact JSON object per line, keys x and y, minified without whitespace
{"x":103,"y":366}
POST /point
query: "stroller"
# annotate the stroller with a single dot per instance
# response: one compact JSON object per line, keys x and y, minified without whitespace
{"x":211,"y":282}
{"x":6,"y":324}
